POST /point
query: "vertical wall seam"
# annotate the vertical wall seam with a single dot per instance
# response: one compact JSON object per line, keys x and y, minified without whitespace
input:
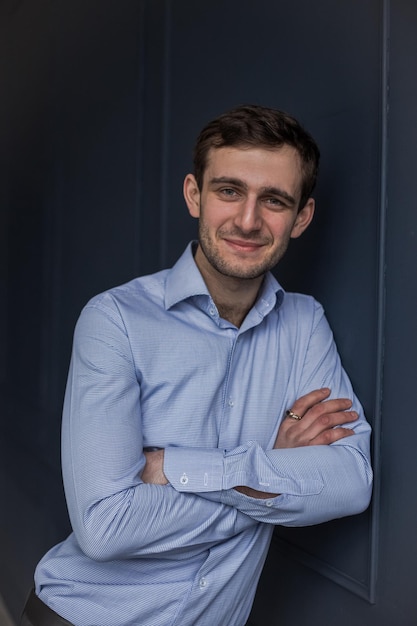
{"x":53,"y":245}
{"x":377,"y":428}
{"x":165,"y":137}
{"x":140,"y":145}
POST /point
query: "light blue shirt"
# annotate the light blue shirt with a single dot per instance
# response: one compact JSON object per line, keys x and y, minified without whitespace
{"x":153,"y":364}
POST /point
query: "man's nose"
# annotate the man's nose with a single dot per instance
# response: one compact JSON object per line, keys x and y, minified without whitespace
{"x":248,"y":217}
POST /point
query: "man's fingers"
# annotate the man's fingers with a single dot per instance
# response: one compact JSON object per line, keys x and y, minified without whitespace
{"x":314,"y":404}
{"x":322,"y":430}
{"x":303,"y":404}
{"x":320,"y":422}
{"x":327,"y":437}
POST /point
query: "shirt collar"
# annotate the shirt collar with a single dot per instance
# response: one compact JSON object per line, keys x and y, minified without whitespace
{"x":184,"y":279}
{"x":179,"y":288}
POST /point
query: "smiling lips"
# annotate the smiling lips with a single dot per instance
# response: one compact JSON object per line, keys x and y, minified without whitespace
{"x":244,"y":245}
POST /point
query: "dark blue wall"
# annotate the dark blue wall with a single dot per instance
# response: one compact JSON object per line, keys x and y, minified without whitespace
{"x":100,"y":102}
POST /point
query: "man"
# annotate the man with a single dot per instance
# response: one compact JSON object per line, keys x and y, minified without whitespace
{"x":204,"y":405}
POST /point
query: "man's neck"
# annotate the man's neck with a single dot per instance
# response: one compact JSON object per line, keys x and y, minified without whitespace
{"x":233,"y":297}
{"x":232,"y":314}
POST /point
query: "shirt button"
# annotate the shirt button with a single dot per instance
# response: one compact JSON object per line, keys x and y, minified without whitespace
{"x":231,"y":403}
{"x":269,"y":503}
{"x":203,"y":583}
{"x":212,"y":311}
{"x":184,"y":479}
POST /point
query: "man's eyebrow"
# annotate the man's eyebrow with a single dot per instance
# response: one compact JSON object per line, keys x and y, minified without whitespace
{"x":276,"y":191}
{"x":228,"y":181}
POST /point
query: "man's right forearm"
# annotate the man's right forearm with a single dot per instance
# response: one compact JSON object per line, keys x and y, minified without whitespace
{"x":154,"y":519}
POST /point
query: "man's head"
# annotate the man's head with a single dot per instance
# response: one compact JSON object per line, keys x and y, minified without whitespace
{"x":259,"y":127}
{"x":255,"y":169}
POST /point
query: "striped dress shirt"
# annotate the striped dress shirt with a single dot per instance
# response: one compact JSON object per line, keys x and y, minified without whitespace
{"x":154,"y":364}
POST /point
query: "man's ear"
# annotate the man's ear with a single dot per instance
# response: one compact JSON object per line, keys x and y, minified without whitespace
{"x":192,"y":195}
{"x":303,"y":219}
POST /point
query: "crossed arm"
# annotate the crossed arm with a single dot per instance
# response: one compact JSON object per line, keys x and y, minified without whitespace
{"x":317,"y":470}
{"x":320,"y":424}
{"x":125,"y":504}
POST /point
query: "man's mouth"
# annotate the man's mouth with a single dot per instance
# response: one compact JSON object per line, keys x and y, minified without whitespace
{"x":244,"y":245}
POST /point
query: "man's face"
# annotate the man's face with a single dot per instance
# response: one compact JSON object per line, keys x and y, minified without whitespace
{"x":247,"y":209}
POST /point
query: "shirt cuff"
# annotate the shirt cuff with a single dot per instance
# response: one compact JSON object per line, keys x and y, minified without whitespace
{"x":195,"y":470}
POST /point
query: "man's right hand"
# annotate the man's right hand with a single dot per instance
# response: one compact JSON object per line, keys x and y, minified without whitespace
{"x":318,"y":420}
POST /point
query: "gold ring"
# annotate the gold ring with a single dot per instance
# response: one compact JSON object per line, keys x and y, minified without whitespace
{"x":293,"y":415}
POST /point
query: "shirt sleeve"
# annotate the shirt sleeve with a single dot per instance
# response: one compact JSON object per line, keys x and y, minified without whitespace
{"x":113,"y":513}
{"x":314,"y":483}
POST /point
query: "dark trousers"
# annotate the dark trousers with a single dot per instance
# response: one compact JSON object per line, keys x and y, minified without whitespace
{"x":37,"y":613}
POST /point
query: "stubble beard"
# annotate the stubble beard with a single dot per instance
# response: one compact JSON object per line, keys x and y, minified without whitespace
{"x":234,"y":270}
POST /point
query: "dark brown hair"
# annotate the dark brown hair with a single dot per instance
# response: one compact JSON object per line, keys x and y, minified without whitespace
{"x":258,"y":126}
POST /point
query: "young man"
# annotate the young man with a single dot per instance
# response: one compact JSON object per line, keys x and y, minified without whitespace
{"x":204,"y":405}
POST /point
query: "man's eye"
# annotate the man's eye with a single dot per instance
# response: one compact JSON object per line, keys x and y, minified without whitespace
{"x":274,"y":203}
{"x":228,"y":192}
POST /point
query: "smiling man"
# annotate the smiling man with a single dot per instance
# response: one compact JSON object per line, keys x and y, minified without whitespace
{"x":248,"y":209}
{"x":204,"y":405}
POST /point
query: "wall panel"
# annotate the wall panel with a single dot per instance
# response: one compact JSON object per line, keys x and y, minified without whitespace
{"x":339,"y":100}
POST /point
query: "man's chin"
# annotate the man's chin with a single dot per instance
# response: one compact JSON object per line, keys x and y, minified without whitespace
{"x":241,"y":272}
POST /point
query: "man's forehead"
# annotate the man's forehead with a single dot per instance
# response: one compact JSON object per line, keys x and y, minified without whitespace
{"x":289,"y":151}
{"x":239,"y":161}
